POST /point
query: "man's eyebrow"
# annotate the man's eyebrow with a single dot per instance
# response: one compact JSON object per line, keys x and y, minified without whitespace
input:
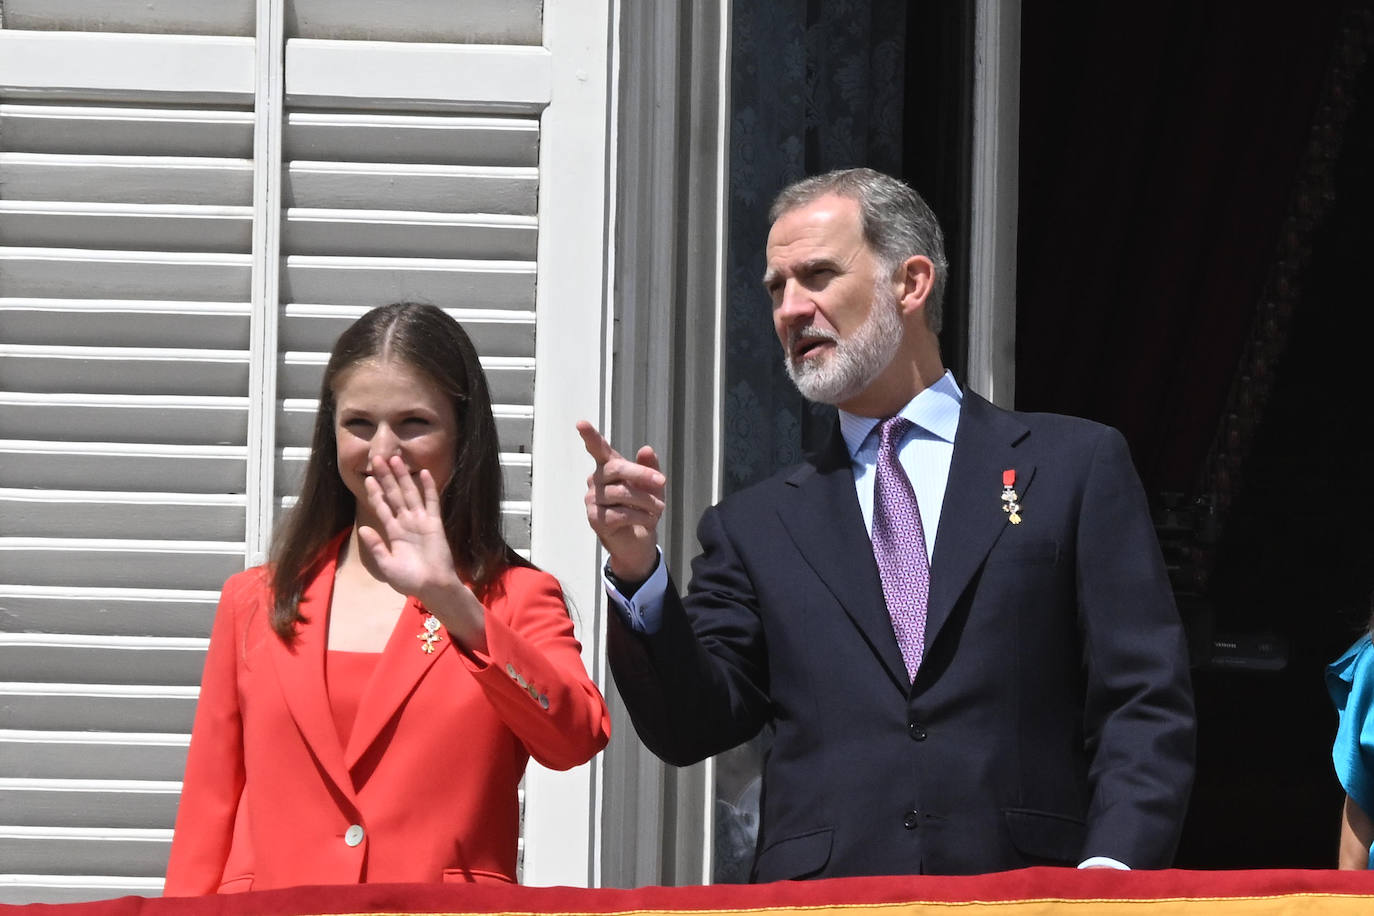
{"x":805,"y":267}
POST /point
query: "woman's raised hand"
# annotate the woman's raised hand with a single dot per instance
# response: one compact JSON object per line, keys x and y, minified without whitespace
{"x":411,"y":552}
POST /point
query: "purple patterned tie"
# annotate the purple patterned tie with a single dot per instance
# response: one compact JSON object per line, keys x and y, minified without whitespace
{"x":899,"y":546}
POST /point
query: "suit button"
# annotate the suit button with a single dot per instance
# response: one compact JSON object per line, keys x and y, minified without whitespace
{"x":916,"y":732}
{"x":910,"y":820}
{"x":353,"y":835}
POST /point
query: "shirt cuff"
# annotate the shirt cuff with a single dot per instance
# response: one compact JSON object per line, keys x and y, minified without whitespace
{"x":1103,"y":862}
{"x":644,"y":611}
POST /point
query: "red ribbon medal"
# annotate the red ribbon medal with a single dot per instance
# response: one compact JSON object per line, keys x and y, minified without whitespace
{"x":1009,"y":497}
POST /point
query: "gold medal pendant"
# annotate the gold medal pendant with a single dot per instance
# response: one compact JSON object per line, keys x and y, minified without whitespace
{"x":430,"y":636}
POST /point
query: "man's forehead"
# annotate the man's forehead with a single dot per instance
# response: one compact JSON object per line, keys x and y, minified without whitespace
{"x":828,"y":227}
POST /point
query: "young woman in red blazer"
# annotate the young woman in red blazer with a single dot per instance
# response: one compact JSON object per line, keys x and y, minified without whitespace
{"x":372,"y":694}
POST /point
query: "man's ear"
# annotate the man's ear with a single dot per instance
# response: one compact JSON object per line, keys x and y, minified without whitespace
{"x":915,"y":279}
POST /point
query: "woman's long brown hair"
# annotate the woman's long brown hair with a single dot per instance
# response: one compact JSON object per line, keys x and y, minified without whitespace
{"x":422,"y":337}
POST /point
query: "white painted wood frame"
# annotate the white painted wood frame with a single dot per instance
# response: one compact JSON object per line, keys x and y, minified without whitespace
{"x":667,"y":374}
{"x":992,"y":246}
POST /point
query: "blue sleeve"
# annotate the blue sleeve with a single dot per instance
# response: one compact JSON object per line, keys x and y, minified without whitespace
{"x":643,"y":612}
{"x":1350,"y":680}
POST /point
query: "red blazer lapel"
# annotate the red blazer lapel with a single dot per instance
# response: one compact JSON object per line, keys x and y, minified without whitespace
{"x":300,"y":671}
{"x":402,"y":665}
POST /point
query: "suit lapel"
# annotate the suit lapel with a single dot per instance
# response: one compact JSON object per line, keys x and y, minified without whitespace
{"x":971,"y":518}
{"x":300,"y":671}
{"x":824,"y":521}
{"x":398,"y":672}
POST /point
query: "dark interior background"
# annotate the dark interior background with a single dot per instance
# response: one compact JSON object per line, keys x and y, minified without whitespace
{"x":1195,"y":185}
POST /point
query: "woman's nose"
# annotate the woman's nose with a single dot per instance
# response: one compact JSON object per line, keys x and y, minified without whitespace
{"x":384,"y":443}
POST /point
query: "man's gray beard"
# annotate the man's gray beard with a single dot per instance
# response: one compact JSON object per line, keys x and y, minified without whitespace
{"x":853,"y":364}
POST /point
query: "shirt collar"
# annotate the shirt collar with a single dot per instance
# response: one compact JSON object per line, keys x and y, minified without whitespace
{"x":935,"y":410}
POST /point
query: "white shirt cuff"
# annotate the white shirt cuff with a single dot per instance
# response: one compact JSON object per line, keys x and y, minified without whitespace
{"x":1103,"y":862}
{"x":644,"y":611}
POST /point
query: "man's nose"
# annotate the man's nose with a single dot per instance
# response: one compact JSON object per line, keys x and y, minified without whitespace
{"x":794,"y":305}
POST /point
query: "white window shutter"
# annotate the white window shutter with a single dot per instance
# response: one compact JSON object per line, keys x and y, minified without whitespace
{"x":125,"y":235}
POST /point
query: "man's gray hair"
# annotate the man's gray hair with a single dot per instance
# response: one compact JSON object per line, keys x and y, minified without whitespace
{"x":897,"y":222}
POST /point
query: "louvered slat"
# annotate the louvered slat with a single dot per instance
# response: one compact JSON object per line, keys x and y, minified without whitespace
{"x":133,"y":852}
{"x":320,"y":140}
{"x":227,"y":17}
{"x":509,"y":23}
{"x":83,"y":513}
{"x":26,"y":706}
{"x":43,"y":888}
{"x":91,"y":755}
{"x":120,"y":803}
{"x":155,"y":133}
{"x":169,"y":180}
{"x":95,"y":322}
{"x":106,"y":611}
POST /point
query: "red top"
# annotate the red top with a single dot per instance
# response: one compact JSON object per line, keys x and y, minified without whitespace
{"x":345,"y":676}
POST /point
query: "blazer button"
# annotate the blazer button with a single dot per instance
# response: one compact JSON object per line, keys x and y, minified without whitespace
{"x":916,"y":732}
{"x":354,"y":835}
{"x":910,"y":821}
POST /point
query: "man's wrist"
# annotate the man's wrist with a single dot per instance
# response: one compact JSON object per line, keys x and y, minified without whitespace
{"x":626,"y":587}
{"x":631,"y":574}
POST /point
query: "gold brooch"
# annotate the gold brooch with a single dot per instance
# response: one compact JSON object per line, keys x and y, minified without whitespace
{"x":431,"y":634}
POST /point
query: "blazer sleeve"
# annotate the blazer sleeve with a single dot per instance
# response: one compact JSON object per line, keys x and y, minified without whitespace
{"x":699,"y":684}
{"x":533,"y":674}
{"x":213,"y":783}
{"x":1138,"y":711}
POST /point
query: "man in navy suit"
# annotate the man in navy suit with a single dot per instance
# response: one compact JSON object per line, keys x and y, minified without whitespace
{"x":957,"y":621}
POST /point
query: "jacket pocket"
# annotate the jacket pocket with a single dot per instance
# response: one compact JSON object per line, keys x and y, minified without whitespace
{"x":1011,"y":549}
{"x":800,"y":856}
{"x":236,"y":885}
{"x":1045,"y":836}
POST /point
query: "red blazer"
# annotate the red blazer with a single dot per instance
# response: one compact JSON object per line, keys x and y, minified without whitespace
{"x":425,"y":789}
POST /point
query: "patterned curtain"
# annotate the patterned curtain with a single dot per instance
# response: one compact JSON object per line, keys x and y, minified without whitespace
{"x":816,"y":85}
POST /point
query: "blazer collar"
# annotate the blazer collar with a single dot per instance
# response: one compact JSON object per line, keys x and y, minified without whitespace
{"x":398,"y":673}
{"x":300,"y":669}
{"x":823,"y":518}
{"x":301,"y":672}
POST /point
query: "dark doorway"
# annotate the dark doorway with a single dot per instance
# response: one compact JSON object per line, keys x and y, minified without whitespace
{"x":1195,"y":188}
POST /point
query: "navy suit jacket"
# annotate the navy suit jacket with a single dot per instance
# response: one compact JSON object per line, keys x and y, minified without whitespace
{"x":1051,"y":718}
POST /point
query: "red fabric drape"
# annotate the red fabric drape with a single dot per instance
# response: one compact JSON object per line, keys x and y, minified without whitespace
{"x":1028,"y":891}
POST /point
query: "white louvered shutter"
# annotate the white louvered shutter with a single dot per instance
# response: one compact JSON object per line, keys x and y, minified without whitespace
{"x":161,"y":350}
{"x":125,"y":234}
